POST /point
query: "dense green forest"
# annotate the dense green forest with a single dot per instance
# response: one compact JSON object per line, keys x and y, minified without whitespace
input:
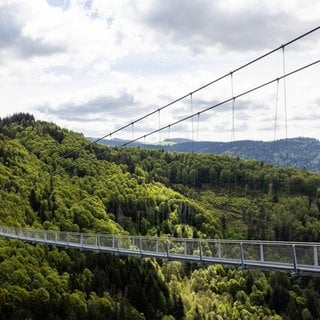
{"x":300,"y":153}
{"x":52,"y":178}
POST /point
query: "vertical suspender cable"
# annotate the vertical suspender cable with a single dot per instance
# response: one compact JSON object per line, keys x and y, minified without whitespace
{"x":132,"y":130}
{"x":285,"y":100}
{"x":194,"y":91}
{"x":276,"y":112}
{"x":159,"y":120}
{"x":284,"y":91}
{"x":191,"y":107}
{"x":260,"y":86}
{"x":233,"y":135}
{"x":198,"y":120}
{"x":233,"y":103}
{"x":205,"y":86}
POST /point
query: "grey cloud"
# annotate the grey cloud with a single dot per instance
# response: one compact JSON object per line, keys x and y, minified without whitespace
{"x":203,"y":117}
{"x":63,"y":4}
{"x":242,"y":109}
{"x":219,"y":105}
{"x":227,"y":129}
{"x":202,"y":23}
{"x":239,"y":128}
{"x":10,"y":30}
{"x":308,"y":112}
{"x":246,"y":104}
{"x":13,"y":40}
{"x":304,"y":117}
{"x":269,"y":127}
{"x":94,"y":109}
{"x":182,"y":127}
{"x":203,"y":104}
{"x":27,"y":47}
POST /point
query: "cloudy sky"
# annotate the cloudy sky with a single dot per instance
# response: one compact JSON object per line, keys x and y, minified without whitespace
{"x":93,"y":66}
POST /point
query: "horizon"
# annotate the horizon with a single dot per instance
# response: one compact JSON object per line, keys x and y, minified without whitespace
{"x":104,"y":138}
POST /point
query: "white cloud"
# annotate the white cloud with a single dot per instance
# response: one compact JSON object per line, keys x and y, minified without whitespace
{"x":95,"y":65}
{"x":202,"y":24}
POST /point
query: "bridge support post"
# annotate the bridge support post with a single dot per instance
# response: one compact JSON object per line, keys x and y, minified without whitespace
{"x":219,"y":250}
{"x":201,"y":253}
{"x":294,"y":257}
{"x":167,"y":249}
{"x":261,"y":252}
{"x":140,"y":245}
{"x":185,"y":247}
{"x":315,"y":256}
{"x":242,"y":255}
{"x":81,"y":240}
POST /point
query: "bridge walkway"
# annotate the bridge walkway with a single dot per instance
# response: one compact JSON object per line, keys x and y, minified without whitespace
{"x":292,"y":257}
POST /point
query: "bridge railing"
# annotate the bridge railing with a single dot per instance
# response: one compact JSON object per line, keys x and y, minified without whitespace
{"x":296,"y":257}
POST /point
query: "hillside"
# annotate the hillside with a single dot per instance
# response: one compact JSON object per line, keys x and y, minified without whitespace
{"x":299,"y":153}
{"x":52,"y":179}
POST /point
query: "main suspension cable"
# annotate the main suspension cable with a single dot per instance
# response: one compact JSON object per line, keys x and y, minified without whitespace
{"x":203,"y":111}
{"x":192,"y":92}
{"x":226,"y":101}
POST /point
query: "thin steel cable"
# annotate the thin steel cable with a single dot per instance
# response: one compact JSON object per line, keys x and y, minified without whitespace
{"x":233,"y":134}
{"x":228,"y":100}
{"x":204,"y":110}
{"x":194,"y":91}
{"x":169,"y":134}
{"x":233,"y":103}
{"x":276,"y":112}
{"x":285,"y":102}
{"x":198,"y":126}
{"x":183,"y":97}
{"x":285,"y":91}
{"x":191,"y":107}
{"x":159,"y":119}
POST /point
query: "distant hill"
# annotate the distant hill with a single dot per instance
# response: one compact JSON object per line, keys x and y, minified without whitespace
{"x":300,"y":153}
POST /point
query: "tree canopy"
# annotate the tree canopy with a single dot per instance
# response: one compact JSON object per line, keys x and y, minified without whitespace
{"x":53,"y":178}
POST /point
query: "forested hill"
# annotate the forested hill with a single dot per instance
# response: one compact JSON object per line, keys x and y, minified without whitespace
{"x":51,"y":178}
{"x":299,"y":153}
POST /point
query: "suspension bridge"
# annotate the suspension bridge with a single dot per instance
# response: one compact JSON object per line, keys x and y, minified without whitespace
{"x":192,"y":112}
{"x":297,"y":258}
{"x":300,"y":258}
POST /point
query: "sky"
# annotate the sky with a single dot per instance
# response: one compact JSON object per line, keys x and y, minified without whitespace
{"x":94,"y":66}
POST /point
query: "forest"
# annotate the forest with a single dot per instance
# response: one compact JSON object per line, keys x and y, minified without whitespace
{"x":55,"y":179}
{"x":301,"y":153}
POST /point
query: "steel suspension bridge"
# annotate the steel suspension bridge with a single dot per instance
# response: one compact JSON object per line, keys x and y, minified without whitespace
{"x":297,"y":258}
{"x":301,"y":258}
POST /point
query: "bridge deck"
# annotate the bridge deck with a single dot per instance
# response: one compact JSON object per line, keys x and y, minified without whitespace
{"x":293,"y":257}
